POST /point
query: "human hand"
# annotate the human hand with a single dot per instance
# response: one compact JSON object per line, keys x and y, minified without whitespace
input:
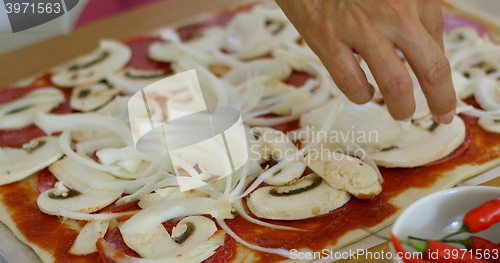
{"x":335,"y":29}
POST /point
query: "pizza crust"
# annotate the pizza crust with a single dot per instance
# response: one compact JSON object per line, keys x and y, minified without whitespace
{"x":6,"y":219}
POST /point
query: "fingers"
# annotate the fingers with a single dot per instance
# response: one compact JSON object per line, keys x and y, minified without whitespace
{"x":392,"y":77}
{"x":433,"y":73}
{"x":345,"y":71}
{"x":431,"y":17}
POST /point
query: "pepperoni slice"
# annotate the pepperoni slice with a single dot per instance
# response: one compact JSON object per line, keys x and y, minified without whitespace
{"x":223,"y":253}
{"x":298,"y":79}
{"x":112,"y":208}
{"x":140,"y":59}
{"x":46,"y":180}
{"x":16,"y":138}
{"x":115,"y":239}
{"x":222,"y":19}
{"x":287,"y":126}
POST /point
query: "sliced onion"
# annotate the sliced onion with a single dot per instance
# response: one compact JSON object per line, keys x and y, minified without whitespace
{"x":66,"y":213}
{"x":90,"y":146}
{"x":65,"y":142}
{"x":51,"y":123}
{"x":198,"y":254}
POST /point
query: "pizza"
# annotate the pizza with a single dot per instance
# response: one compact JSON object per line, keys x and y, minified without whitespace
{"x":79,"y":186}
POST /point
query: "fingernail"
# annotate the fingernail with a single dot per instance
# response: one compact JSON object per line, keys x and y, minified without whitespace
{"x":445,"y":118}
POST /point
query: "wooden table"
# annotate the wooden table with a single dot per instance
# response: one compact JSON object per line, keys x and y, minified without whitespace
{"x":27,"y":61}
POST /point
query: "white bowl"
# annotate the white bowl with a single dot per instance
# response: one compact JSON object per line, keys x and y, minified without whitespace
{"x":441,"y":213}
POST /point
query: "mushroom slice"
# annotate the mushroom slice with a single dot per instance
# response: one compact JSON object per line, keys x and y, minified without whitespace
{"x":17,"y":164}
{"x":92,"y":97}
{"x":84,"y":243}
{"x":189,"y":233}
{"x":93,"y":200}
{"x":346,"y":173}
{"x":73,"y":191}
{"x":76,"y":175}
{"x":109,"y":57}
{"x":274,"y":144}
{"x":288,"y":174}
{"x":131,"y":80}
{"x":308,"y":197}
{"x":419,"y":145}
{"x":489,"y":124}
{"x":20,"y":112}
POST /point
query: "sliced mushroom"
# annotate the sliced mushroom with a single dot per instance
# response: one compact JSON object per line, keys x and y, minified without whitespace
{"x":489,"y":124}
{"x":19,"y":113}
{"x":275,"y":145}
{"x":461,"y":38}
{"x":191,"y":232}
{"x":18,"y":164}
{"x":109,"y":57}
{"x":76,"y":175}
{"x":74,"y":191}
{"x":287,"y":175}
{"x":92,"y":97}
{"x":308,"y":197}
{"x":171,"y":193}
{"x":93,"y":200}
{"x":187,"y":235}
{"x":420,"y":145}
{"x":346,"y":173}
{"x":131,"y":80}
{"x":476,"y":62}
{"x":84,"y":243}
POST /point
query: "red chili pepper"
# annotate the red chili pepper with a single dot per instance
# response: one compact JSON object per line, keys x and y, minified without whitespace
{"x":400,"y":249}
{"x":486,"y":249}
{"x":481,"y":247}
{"x":483,"y":216}
{"x":480,"y":218}
{"x":441,"y":252}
